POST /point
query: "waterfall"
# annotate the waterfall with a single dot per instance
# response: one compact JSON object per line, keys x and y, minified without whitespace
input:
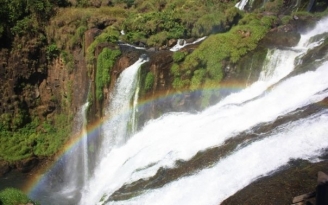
{"x":78,"y":156}
{"x":304,"y":139}
{"x":182,"y":43}
{"x":85,"y":144}
{"x":114,"y":131}
{"x":241,"y":5}
{"x":177,"y":137}
{"x":65,"y":180}
{"x":134,"y":108}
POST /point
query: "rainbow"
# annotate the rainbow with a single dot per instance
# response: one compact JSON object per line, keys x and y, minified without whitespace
{"x":39,"y":179}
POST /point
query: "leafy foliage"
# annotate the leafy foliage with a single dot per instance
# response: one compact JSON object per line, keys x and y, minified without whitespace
{"x":35,"y":138}
{"x":11,"y":196}
{"x":108,"y":35}
{"x":105,"y":62}
{"x":155,"y":26}
{"x":52,"y":51}
{"x":178,"y":56}
{"x":206,"y":62}
{"x":20,"y":17}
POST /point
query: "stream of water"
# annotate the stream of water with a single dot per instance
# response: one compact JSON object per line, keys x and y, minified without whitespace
{"x":179,"y":136}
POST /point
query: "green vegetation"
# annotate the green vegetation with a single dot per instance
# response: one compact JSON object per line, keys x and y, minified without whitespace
{"x":21,"y":17}
{"x":149,"y":81}
{"x":153,"y":27}
{"x":109,"y":35}
{"x":204,"y":66}
{"x":11,"y":196}
{"x":178,"y":56}
{"x":105,"y":62}
{"x":34,"y":139}
{"x":52,"y":51}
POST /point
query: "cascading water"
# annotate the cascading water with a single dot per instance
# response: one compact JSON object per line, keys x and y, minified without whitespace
{"x":183,"y":43}
{"x":180,"y":136}
{"x":64,"y":181}
{"x":78,"y":157}
{"x":135,"y":109}
{"x":241,"y":4}
{"x":114,"y":131}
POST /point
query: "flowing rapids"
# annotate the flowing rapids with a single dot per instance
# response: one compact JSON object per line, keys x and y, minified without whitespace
{"x":177,"y":137}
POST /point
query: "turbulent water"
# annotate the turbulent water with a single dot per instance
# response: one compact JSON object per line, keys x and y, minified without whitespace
{"x":114,"y":131}
{"x":176,"y":137}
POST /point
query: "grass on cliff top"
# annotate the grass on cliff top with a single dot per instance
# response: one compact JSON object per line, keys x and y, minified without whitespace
{"x":34,"y":139}
{"x":67,"y":27}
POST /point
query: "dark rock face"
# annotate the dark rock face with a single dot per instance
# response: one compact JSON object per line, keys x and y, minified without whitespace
{"x":27,"y":164}
{"x":283,"y":36}
{"x":21,"y":67}
{"x":4,"y":168}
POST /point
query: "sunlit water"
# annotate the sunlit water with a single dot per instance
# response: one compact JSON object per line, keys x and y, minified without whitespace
{"x":179,"y":136}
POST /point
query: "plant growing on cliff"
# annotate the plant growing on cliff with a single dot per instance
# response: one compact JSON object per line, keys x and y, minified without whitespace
{"x":153,"y":27}
{"x":52,"y":51}
{"x":178,"y":56}
{"x":11,"y":196}
{"x":35,"y":138}
{"x":217,"y":50}
{"x":109,"y":35}
{"x":149,"y":81}
{"x":105,"y":62}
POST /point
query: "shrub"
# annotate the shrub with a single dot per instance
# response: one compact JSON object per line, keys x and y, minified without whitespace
{"x":52,"y":51}
{"x":105,"y":62}
{"x":178,"y":83}
{"x":175,"y":70}
{"x":157,"y":26}
{"x":35,"y":139}
{"x":178,"y":56}
{"x":110,"y":34}
{"x":197,"y":79}
{"x":11,"y":196}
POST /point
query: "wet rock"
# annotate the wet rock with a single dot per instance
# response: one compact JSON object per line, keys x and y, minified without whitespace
{"x":27,"y":164}
{"x":284,"y":36}
{"x":4,"y":168}
{"x":172,"y":42}
{"x":90,"y":35}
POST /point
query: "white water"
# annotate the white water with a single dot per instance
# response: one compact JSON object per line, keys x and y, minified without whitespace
{"x":241,"y":5}
{"x":135,"y":109}
{"x":85,"y":144}
{"x":182,"y":43}
{"x":76,"y":173}
{"x":304,"y":139}
{"x":180,"y":136}
{"x":114,"y":130}
{"x":136,"y":47}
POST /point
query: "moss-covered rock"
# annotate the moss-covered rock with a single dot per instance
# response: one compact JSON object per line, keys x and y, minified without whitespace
{"x":11,"y":196}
